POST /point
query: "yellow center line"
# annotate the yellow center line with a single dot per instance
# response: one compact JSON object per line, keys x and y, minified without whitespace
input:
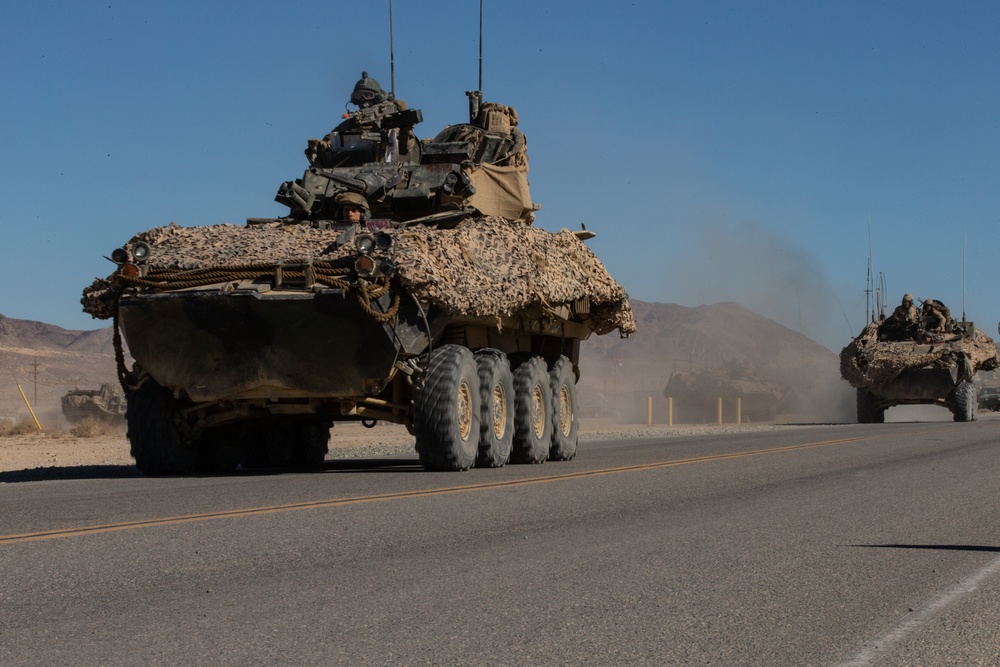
{"x":401,"y":495}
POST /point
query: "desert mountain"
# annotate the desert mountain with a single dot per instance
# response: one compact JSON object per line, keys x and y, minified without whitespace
{"x":47,"y":361}
{"x":672,"y":338}
{"x":616,"y":374}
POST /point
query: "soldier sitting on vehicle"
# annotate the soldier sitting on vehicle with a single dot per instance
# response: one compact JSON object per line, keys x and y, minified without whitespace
{"x":903,"y":323}
{"x":934,"y":318}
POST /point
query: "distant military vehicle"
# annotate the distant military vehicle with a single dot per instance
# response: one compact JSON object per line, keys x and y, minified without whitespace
{"x":105,"y":404}
{"x":897,"y":361}
{"x":406,"y":284}
{"x":696,"y":394}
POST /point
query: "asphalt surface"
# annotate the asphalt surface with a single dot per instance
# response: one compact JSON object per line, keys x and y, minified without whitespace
{"x":827,"y":545}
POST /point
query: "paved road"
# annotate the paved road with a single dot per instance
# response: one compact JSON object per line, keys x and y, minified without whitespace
{"x":838,"y":545}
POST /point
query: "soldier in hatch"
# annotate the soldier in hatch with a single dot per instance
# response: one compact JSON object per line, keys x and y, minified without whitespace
{"x":906,"y":312}
{"x":903,"y":323}
{"x":352,"y":208}
{"x":934,"y":319}
{"x":379,"y":113}
{"x":367,"y":92}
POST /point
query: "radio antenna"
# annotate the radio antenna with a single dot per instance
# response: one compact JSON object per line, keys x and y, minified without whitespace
{"x":963,"y":271}
{"x":480,"y":47}
{"x":392,"y":57}
{"x":870,"y":281}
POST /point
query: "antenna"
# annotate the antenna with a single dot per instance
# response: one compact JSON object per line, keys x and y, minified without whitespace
{"x":963,"y":271}
{"x":480,"y":48}
{"x":869,"y":283}
{"x":392,"y":57}
{"x":476,"y":96}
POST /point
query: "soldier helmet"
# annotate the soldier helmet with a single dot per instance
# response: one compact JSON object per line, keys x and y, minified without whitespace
{"x":908,"y":297}
{"x":351,"y":199}
{"x":367,"y":91}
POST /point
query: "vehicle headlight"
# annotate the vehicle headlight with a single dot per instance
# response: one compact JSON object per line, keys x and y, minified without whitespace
{"x":140,"y":252}
{"x":365,"y":243}
{"x":364,"y":265}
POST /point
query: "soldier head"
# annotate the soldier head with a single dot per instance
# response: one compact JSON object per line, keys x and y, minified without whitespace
{"x":352,"y":207}
{"x":367,"y":92}
{"x":907,"y":299}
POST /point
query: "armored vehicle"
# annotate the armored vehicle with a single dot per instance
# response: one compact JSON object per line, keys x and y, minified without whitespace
{"x":696,"y":394}
{"x":407,"y":283}
{"x":903,"y":361}
{"x":105,"y":404}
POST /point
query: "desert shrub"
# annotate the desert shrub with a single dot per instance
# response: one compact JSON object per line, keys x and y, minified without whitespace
{"x":92,"y":427}
{"x":23,"y":427}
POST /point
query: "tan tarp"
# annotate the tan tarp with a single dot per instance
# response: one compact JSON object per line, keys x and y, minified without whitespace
{"x":502,"y":191}
{"x":482,"y":267}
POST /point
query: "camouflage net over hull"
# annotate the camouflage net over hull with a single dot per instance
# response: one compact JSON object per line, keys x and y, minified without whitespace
{"x":866,"y":362}
{"x":483,"y":267}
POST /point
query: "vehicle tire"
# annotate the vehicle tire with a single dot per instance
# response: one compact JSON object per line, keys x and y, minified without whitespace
{"x":496,"y":397}
{"x":216,"y":450}
{"x":565,"y":421}
{"x":310,"y":446}
{"x":868,"y":410}
{"x":964,"y":402}
{"x":156,"y":445}
{"x":446,"y":413}
{"x":532,"y":412}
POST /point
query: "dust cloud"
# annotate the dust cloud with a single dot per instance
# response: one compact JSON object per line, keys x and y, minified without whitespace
{"x":752,"y":265}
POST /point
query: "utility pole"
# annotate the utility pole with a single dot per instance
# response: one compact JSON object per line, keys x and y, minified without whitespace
{"x":34,"y":365}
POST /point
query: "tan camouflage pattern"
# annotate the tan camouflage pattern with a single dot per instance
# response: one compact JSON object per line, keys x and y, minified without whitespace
{"x":483,"y":267}
{"x":866,"y":362}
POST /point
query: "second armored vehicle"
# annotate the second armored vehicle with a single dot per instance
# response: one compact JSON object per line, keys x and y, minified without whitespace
{"x":906,"y":360}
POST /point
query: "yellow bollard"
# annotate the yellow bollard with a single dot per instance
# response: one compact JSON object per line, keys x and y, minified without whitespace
{"x":649,"y":411}
{"x":29,"y":407}
{"x":739,"y":410}
{"x":720,"y":411}
{"x":670,"y":411}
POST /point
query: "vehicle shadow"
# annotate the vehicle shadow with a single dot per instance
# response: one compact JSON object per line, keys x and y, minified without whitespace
{"x":69,"y":472}
{"x":358,"y":465}
{"x":935,"y":547}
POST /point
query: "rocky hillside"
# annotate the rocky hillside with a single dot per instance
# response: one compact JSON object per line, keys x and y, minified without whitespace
{"x":47,"y":361}
{"x":616,"y":374}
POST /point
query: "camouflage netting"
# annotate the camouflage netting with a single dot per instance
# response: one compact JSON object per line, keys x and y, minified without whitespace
{"x":866,"y":362}
{"x":483,"y":267}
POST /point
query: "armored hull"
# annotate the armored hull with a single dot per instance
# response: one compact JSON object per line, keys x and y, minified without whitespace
{"x":443,"y":309}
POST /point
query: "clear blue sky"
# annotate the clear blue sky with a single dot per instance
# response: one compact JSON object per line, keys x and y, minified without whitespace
{"x":723,"y":151}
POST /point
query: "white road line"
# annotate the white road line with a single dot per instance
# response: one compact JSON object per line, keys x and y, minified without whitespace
{"x":878,"y":647}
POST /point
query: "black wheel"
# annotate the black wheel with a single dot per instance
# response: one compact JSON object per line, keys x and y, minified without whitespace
{"x":310,"y":445}
{"x":216,"y":450}
{"x":266,"y":446}
{"x":868,"y":410}
{"x":565,"y":423}
{"x":446,"y":413}
{"x":496,"y":397}
{"x":964,"y":402}
{"x":156,"y":444}
{"x":532,"y":412}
